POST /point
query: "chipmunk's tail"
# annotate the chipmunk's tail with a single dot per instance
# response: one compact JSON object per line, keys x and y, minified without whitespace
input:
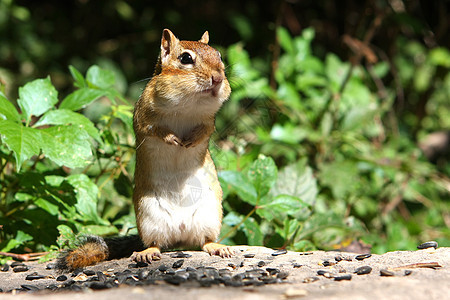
{"x":94,"y":249}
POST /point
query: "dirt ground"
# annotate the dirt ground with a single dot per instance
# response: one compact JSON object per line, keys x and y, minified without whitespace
{"x":413,"y":277}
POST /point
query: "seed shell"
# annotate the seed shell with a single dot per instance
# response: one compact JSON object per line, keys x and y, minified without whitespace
{"x":21,"y":268}
{"x":279,"y":252}
{"x":385,"y":272}
{"x":363,"y":270}
{"x":61,"y":278}
{"x":430,"y":244}
{"x":178,"y":264}
{"x":363,"y":256}
{"x":343,"y":277}
{"x":34,"y":276}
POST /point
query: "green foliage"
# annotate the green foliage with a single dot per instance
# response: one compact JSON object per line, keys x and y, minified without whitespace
{"x":315,"y":155}
{"x":346,"y":173}
{"x":56,"y":164}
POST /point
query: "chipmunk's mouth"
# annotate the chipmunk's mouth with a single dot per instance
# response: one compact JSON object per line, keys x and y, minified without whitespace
{"x":213,"y":91}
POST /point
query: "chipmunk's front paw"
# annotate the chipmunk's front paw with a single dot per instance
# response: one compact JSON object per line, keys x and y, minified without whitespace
{"x":172,"y":139}
{"x":195,"y":137}
{"x":218,"y":249}
{"x":148,"y":255}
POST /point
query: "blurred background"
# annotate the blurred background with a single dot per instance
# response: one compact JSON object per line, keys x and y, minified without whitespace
{"x":351,"y":100}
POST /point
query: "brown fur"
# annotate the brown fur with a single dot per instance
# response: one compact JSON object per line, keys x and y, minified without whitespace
{"x":86,"y":255}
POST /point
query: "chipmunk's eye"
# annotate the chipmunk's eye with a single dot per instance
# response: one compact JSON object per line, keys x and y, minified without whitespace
{"x":185,"y":58}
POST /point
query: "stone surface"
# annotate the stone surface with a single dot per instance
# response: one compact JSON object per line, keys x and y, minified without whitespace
{"x":421,"y":283}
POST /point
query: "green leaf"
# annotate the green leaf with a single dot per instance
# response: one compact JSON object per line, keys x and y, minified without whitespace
{"x":357,"y":117}
{"x":423,"y":77}
{"x":66,"y":146}
{"x":381,"y":69}
{"x":232,"y":219}
{"x":340,"y":176}
{"x":47,"y":206}
{"x":23,"y":141}
{"x":125,"y":114}
{"x":319,"y":222}
{"x":263,"y":174}
{"x":228,"y":223}
{"x":440,"y":56}
{"x":241,"y":185}
{"x":67,"y":117}
{"x":336,"y":71}
{"x":54,"y":180}
{"x":66,"y":236}
{"x":304,"y":245}
{"x":290,"y":96}
{"x":86,"y":193}
{"x":282,"y":206}
{"x":286,"y":203}
{"x":101,"y":230}
{"x":253,"y":232}
{"x":36,"y":97}
{"x":290,"y":227}
{"x":285,"y":39}
{"x":80,"y":98}
{"x":20,"y":239}
{"x":297,"y":180}
{"x":79,"y":79}
{"x":288,"y":133}
{"x":7,"y":109}
{"x":100,"y":78}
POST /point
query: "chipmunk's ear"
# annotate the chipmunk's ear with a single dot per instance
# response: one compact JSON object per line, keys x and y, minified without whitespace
{"x":205,"y":38}
{"x":168,"y":44}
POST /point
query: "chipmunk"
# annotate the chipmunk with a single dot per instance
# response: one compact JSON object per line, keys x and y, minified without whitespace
{"x":177,"y":196}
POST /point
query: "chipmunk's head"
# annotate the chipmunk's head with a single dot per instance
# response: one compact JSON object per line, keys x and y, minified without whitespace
{"x":192,"y":70}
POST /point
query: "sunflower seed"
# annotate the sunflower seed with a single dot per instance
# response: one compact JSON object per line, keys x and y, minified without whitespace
{"x":343,"y":277}
{"x":178,"y":264}
{"x":385,"y":272}
{"x":430,"y":244}
{"x":279,"y":252}
{"x":363,"y":270}
{"x":363,"y":256}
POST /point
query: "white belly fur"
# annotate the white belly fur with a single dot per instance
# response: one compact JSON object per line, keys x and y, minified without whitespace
{"x":182,"y":209}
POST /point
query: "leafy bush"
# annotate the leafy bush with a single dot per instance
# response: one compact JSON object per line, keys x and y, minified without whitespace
{"x":348,"y":172}
{"x":57,"y":166}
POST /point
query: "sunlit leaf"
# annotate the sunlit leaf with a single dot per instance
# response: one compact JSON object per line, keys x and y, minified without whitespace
{"x":23,"y":141}
{"x":297,"y":180}
{"x":263,"y":174}
{"x":7,"y":109}
{"x":80,"y":98}
{"x":100,"y":78}
{"x":79,"y":79}
{"x":66,"y":146}
{"x":36,"y":97}
{"x":241,"y":185}
{"x":68,"y":117}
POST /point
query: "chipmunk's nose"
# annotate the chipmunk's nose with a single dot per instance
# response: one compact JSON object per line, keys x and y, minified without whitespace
{"x":216,"y":78}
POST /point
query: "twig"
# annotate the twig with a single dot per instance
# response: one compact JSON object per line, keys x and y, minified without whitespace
{"x":432,"y":265}
{"x":24,"y":257}
{"x":355,"y":60}
{"x":276,"y":46}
